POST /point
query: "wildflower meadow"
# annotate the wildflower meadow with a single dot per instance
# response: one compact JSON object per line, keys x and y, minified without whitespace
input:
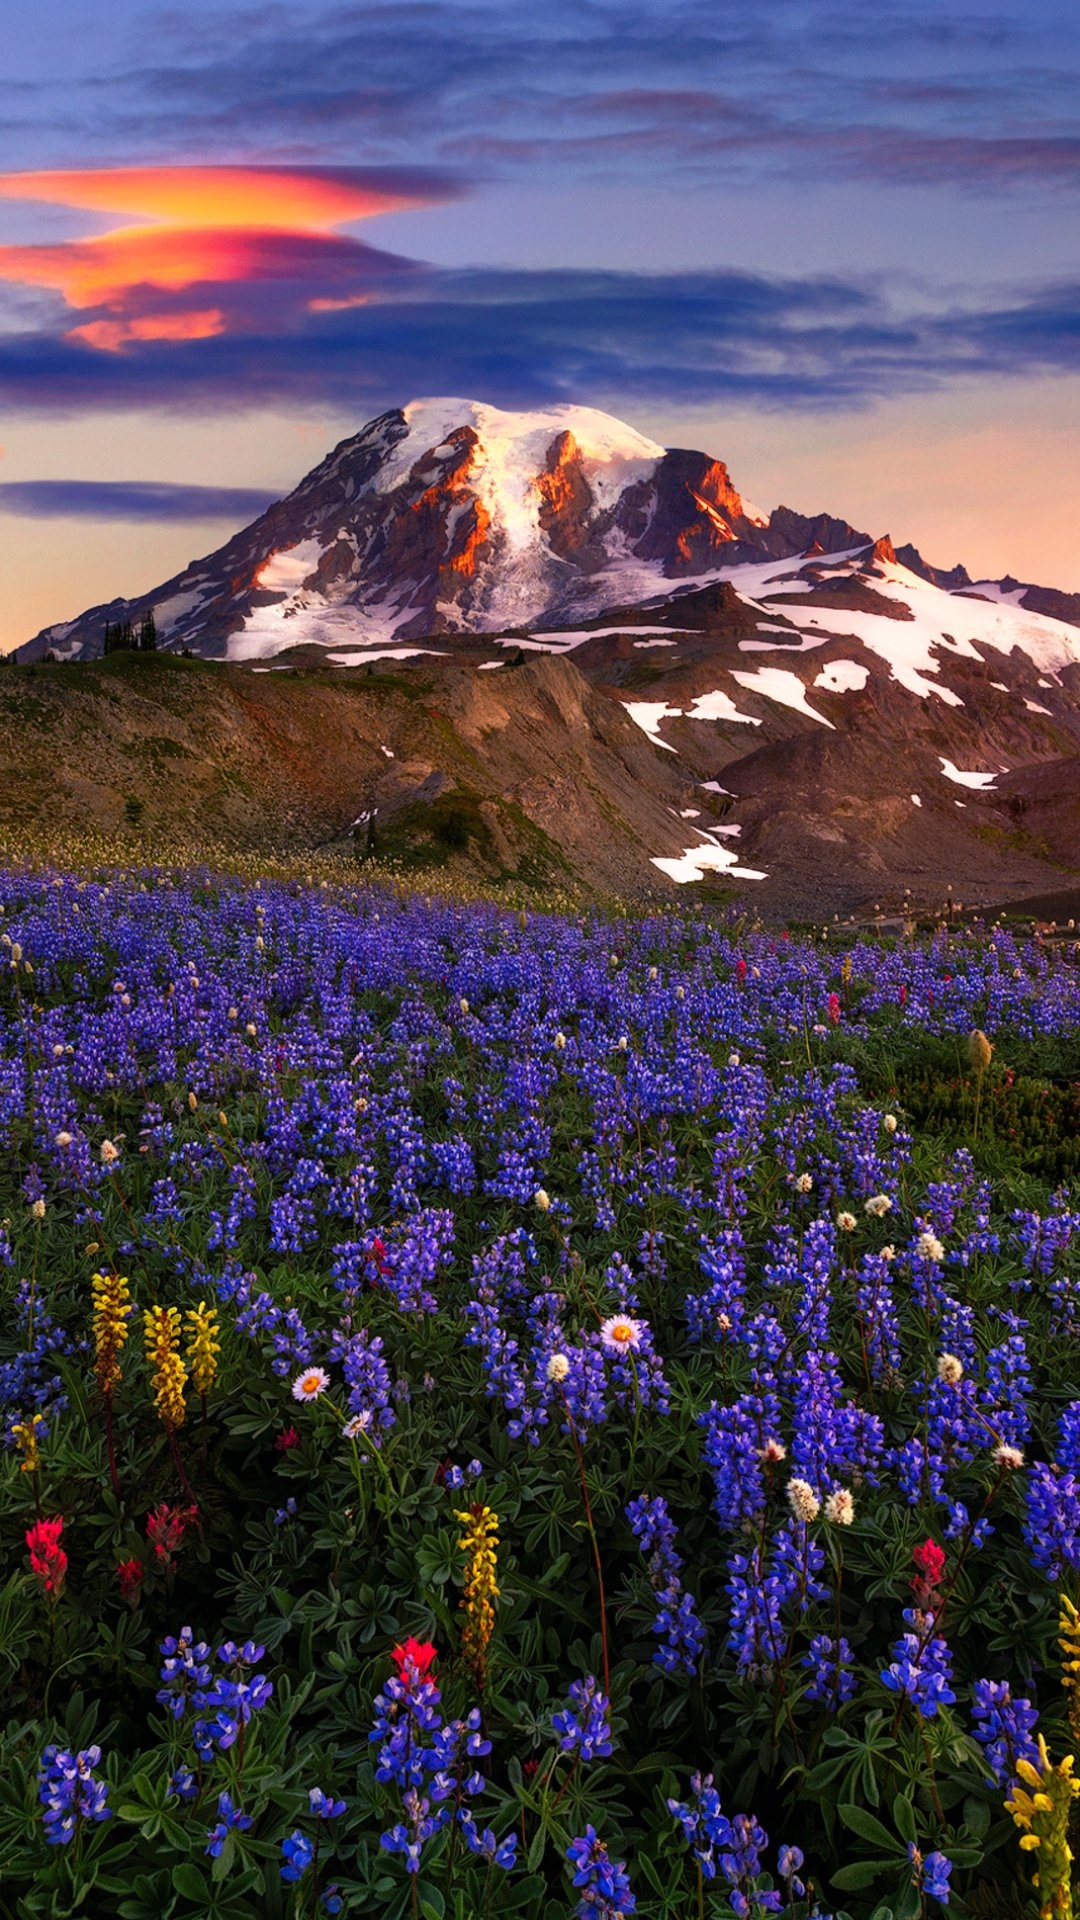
{"x":515,"y":1413}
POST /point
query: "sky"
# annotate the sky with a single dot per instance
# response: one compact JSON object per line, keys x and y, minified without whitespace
{"x":834,"y":246}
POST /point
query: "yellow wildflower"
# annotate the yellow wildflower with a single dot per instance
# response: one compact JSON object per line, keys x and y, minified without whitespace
{"x":112,"y":1310}
{"x":1040,"y":1807}
{"x":203,"y":1346}
{"x":161,"y":1329}
{"x":1069,"y":1641}
{"x":24,"y":1434}
{"x":479,"y":1542}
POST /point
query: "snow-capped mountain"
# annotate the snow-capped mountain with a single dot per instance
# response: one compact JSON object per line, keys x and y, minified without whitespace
{"x":446,"y":516}
{"x":449,"y":516}
{"x":824,"y":713}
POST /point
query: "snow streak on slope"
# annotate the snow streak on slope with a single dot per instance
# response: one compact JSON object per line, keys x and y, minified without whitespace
{"x":941,"y":623}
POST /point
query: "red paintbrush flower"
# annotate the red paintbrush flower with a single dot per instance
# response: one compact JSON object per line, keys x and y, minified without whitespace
{"x":415,"y":1653}
{"x":165,"y":1529}
{"x":129,"y":1578}
{"x":929,"y":1558}
{"x":47,"y":1556}
{"x":287,"y":1439}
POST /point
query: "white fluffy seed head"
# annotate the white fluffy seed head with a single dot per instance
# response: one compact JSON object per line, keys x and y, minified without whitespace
{"x":840,"y":1508}
{"x":803,"y":1501}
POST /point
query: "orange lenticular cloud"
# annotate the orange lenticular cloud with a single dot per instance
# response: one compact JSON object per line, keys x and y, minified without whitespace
{"x":284,"y":197}
{"x":94,"y":272}
{"x":221,"y":229}
{"x":111,"y":335}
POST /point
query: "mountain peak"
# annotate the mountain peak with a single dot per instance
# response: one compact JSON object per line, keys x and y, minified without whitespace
{"x":450,"y":515}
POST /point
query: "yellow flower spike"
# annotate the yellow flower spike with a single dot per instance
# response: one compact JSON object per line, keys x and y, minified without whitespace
{"x":203,"y":1346}
{"x":1069,"y":1641}
{"x":25,"y":1435}
{"x":479,"y":1542}
{"x":112,"y":1311}
{"x":1046,"y":1816}
{"x":161,"y":1330}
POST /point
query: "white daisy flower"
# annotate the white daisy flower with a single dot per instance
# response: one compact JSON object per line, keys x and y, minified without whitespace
{"x":620,"y":1334}
{"x":310,"y":1384}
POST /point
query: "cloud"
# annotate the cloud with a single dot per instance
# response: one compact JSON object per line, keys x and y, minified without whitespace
{"x":211,"y":235}
{"x":522,"y":338}
{"x":129,"y":500}
{"x":972,"y":97}
{"x":202,"y":197}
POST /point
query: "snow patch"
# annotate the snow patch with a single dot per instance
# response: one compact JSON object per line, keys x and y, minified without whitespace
{"x":286,"y":570}
{"x":843,"y":676}
{"x":168,"y":613}
{"x":719,"y":706}
{"x":647,"y":714}
{"x":773,"y":683}
{"x":383,"y":653}
{"x":980,"y":781}
{"x":696,"y":862}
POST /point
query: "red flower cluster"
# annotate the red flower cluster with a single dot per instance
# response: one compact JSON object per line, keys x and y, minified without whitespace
{"x":287,"y":1439}
{"x":930,"y":1561}
{"x":379,"y":1259}
{"x":47,"y":1556}
{"x":165,"y":1530}
{"x":833,"y":1007}
{"x":129,"y":1578}
{"x":415,"y":1653}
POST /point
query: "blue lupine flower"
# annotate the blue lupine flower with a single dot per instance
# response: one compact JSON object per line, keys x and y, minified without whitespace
{"x":299,"y":1853}
{"x":933,"y":1872}
{"x":584,"y":1727}
{"x":676,"y":1617}
{"x":501,"y":1853}
{"x":602,"y":1882}
{"x":70,"y":1792}
{"x":921,"y":1670}
{"x":829,"y":1661}
{"x":1004,"y":1728}
{"x":230,"y":1819}
{"x":323,"y":1805}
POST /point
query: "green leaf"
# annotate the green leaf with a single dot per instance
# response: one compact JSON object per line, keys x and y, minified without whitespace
{"x":976,"y":1817}
{"x":862,"y":1873}
{"x":903,"y":1814}
{"x":187,"y":1880}
{"x":865,"y":1825}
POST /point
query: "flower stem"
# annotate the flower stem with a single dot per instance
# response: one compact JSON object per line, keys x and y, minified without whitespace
{"x":595,"y":1544}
